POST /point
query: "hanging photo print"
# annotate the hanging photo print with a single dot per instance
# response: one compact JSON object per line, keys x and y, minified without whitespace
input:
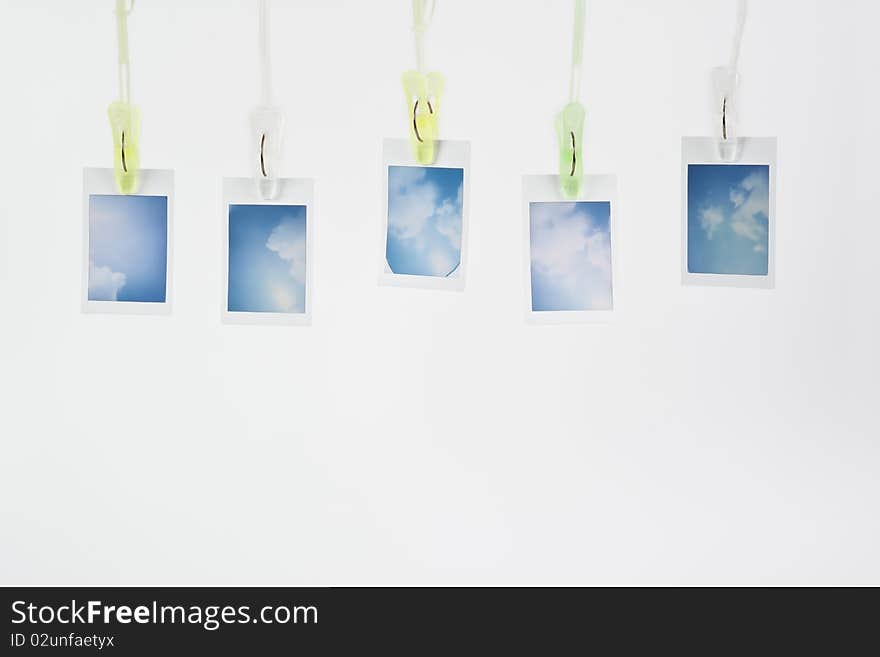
{"x":424,"y":232}
{"x":267,"y":253}
{"x":127,"y":243}
{"x":728,"y":224}
{"x":569,"y":250}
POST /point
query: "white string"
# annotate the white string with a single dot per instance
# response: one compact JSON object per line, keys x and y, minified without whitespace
{"x":421,"y":22}
{"x":742,"y":10}
{"x":265,"y":61}
{"x":577,"y":50}
{"x":123,"y":62}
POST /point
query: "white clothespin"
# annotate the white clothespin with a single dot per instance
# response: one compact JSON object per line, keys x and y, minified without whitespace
{"x":267,"y":121}
{"x":726,"y":81}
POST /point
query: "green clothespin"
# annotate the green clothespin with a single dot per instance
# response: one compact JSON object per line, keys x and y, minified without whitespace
{"x":570,"y":121}
{"x":125,"y":118}
{"x":570,"y":131}
{"x":423,"y":91}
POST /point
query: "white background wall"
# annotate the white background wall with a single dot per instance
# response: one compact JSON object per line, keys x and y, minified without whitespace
{"x":708,"y":436}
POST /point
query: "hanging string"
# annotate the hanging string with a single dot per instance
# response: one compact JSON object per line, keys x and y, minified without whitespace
{"x":742,"y":10}
{"x":577,"y":50}
{"x":123,"y":63}
{"x":265,"y":61}
{"x":422,"y":18}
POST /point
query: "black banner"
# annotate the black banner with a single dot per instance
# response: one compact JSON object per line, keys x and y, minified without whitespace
{"x":414,"y":621}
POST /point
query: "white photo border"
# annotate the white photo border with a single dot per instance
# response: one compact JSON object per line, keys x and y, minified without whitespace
{"x":450,"y":155}
{"x":759,"y":151}
{"x":153,"y":182}
{"x":291,"y":191}
{"x":545,"y":189}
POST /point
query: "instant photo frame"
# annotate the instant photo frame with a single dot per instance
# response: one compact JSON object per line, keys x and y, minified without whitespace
{"x":280,"y":250}
{"x":754,"y":152}
{"x":544,"y":190}
{"x":450,"y":156}
{"x":121,"y":269}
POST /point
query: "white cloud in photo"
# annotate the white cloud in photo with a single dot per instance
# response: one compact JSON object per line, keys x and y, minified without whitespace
{"x":288,"y":240}
{"x":568,"y":249}
{"x":737,"y":196}
{"x":415,"y":202}
{"x":728,"y":219}
{"x":752,"y":203}
{"x":104,"y":283}
{"x":425,"y":222}
{"x":448,"y":221}
{"x":711,"y":220}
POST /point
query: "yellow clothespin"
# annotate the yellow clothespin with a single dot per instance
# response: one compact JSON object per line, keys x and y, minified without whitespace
{"x":423,"y":91}
{"x":125,"y":118}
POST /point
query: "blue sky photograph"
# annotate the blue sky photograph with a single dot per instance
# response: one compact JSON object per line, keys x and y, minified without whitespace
{"x":267,"y":259}
{"x":570,"y":248}
{"x":424,"y":220}
{"x":728,"y":219}
{"x":128,"y":248}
